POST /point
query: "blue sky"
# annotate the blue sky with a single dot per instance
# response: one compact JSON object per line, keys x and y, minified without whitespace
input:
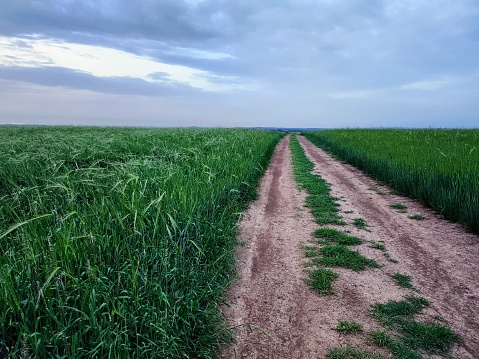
{"x":290,"y":63}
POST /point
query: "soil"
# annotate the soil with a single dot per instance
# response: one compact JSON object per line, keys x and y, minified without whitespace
{"x":274,"y":312}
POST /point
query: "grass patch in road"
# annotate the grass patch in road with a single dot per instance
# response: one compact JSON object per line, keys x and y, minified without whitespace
{"x":389,"y":258}
{"x":351,"y":353}
{"x":402,"y":280}
{"x":341,"y":256}
{"x":395,"y":312}
{"x":324,"y":207}
{"x":398,"y":348}
{"x":360,"y":223}
{"x":335,"y":236}
{"x":417,"y":217}
{"x":411,"y":335}
{"x":321,"y":280}
{"x":432,"y":338}
{"x":379,"y":246}
{"x":399,"y":206}
{"x":346,"y":327}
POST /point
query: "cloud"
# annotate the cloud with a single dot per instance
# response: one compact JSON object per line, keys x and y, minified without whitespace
{"x":105,"y":62}
{"x":295,"y":56}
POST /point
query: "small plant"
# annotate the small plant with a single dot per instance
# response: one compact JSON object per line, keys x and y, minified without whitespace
{"x":346,"y":327}
{"x":398,"y":206}
{"x":381,"y":339}
{"x":333,"y":235}
{"x":394,"y":312}
{"x":341,"y":256}
{"x":430,"y":337}
{"x":389,"y":258}
{"x":360,"y":223}
{"x":417,"y":217}
{"x":402,"y":280}
{"x":351,"y":353}
{"x":310,"y":251}
{"x":379,"y":246}
{"x":398,"y":348}
{"x":321,"y":280}
{"x":348,"y":212}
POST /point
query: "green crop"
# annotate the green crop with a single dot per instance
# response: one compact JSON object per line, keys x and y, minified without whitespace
{"x":438,"y":167}
{"x":118,"y":242}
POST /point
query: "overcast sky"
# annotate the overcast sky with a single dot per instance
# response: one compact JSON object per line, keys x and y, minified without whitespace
{"x":288,"y":63}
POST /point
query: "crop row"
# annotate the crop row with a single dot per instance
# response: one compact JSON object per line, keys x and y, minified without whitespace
{"x":440,"y":168}
{"x":118,"y":242}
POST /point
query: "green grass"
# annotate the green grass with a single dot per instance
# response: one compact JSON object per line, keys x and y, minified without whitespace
{"x":351,"y":353}
{"x":360,"y":223}
{"x":321,"y":280}
{"x":118,"y":242}
{"x":437,"y":167}
{"x":378,"y":246}
{"x":429,"y":337}
{"x":412,"y":335}
{"x":335,"y":236}
{"x":417,"y":217}
{"x":395,"y":312}
{"x":346,"y":327}
{"x":399,"y":349}
{"x":398,"y":206}
{"x":402,"y":280}
{"x":341,"y":256}
{"x":323,"y":206}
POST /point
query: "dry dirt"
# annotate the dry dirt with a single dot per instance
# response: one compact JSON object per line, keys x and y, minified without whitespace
{"x":274,"y":312}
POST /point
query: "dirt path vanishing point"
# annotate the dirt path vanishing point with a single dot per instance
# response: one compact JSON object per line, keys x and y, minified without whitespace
{"x":278,"y":316}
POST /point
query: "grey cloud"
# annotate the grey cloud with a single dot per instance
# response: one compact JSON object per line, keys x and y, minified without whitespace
{"x":57,"y":76}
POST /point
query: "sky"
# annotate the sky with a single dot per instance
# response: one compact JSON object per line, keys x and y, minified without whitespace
{"x":240,"y":63}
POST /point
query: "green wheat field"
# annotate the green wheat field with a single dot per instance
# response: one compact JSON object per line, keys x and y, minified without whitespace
{"x":118,"y":242}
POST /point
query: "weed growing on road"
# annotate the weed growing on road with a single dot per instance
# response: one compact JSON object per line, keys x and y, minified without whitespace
{"x":351,"y":353}
{"x":335,"y":236}
{"x":395,"y":312}
{"x":398,"y":206}
{"x":346,"y":327}
{"x":360,"y":223}
{"x":429,"y":337}
{"x":417,"y":217}
{"x":379,"y":246}
{"x":398,"y":348}
{"x":341,"y":256}
{"x":402,"y":280}
{"x":413,"y":335}
{"x":323,"y":206}
{"x":321,"y":280}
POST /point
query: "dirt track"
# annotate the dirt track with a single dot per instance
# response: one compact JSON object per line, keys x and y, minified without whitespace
{"x":278,"y":316}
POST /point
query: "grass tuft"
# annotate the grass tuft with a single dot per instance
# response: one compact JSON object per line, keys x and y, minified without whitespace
{"x":321,"y":280}
{"x":341,"y":256}
{"x":398,"y":206}
{"x":360,"y":223}
{"x":346,"y":327}
{"x":394,"y":312}
{"x":335,"y":236}
{"x":351,"y":353}
{"x":429,"y":337}
{"x":402,"y":280}
{"x":379,"y":246}
{"x":417,"y":217}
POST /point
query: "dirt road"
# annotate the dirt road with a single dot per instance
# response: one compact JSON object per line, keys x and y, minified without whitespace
{"x":277,"y":316}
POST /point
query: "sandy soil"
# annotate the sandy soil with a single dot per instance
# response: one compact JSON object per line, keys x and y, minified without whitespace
{"x":276,"y":315}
